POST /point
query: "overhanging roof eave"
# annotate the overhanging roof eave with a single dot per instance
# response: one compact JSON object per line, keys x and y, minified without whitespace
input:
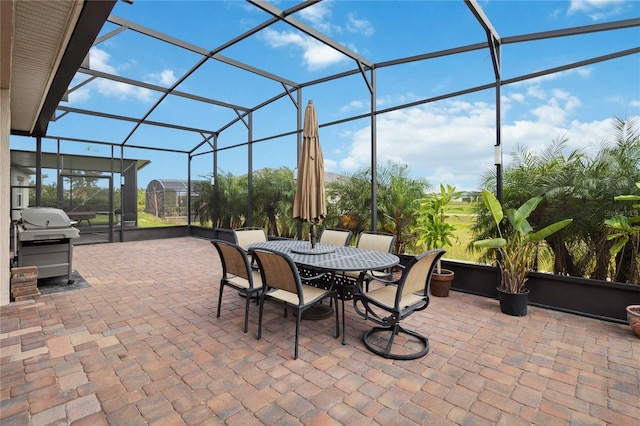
{"x":89,"y":24}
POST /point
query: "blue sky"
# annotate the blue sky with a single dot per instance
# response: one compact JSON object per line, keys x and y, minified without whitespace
{"x":449,"y":141}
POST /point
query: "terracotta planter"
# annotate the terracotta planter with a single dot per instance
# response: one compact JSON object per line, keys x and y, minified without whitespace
{"x":633,"y":316}
{"x":514,"y":304}
{"x":441,"y":283}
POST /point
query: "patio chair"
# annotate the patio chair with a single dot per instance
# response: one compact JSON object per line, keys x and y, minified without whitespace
{"x":283,"y":286}
{"x":390,"y":304}
{"x":335,"y":237}
{"x":247,"y":236}
{"x":237,"y":273}
{"x":377,"y":241}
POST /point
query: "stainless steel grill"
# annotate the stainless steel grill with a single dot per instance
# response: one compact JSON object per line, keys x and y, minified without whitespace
{"x":43,"y":239}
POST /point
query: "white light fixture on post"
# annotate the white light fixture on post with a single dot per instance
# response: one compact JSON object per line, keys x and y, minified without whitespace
{"x":497,"y":153}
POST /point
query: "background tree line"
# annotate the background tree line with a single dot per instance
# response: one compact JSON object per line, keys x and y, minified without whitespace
{"x":578,"y":185}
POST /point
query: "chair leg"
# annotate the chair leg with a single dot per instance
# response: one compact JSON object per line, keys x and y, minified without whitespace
{"x":261,"y":310}
{"x":246,"y":312}
{"x":220,"y":298}
{"x":394,"y":331}
{"x":344,"y":333}
{"x":298,"y":319}
{"x":337,"y":319}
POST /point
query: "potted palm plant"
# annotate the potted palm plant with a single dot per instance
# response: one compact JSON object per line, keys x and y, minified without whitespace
{"x":515,"y":246}
{"x":433,"y":231}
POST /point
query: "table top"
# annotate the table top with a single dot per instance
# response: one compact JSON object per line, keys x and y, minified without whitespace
{"x":328,"y":257}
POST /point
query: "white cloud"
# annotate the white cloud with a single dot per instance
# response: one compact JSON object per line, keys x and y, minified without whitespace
{"x":319,"y":17}
{"x":317,"y":14}
{"x":353,"y":105}
{"x":536,"y":92}
{"x":360,"y":26}
{"x":165,"y":78}
{"x":329,"y":164}
{"x":582,"y":72}
{"x":597,"y":9}
{"x":100,"y":60}
{"x":315,"y":55}
{"x":120,"y":90}
{"x":441,"y":142}
{"x":518,"y":97}
{"x":451,"y":142}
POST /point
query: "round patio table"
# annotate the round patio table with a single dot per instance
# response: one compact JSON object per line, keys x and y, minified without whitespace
{"x":333,"y":259}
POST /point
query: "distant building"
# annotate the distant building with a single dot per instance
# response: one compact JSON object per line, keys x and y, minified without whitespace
{"x":470,"y":196}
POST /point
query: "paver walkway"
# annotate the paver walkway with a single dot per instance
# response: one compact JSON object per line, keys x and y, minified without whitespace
{"x":143,"y":346}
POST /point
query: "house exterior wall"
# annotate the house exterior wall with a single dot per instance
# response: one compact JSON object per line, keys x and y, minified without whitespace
{"x":5,"y":217}
{"x":19,"y":196}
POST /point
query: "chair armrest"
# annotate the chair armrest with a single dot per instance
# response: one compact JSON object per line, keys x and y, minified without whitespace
{"x":365,"y":275}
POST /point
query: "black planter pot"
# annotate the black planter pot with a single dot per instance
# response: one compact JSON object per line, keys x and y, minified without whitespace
{"x":514,"y":304}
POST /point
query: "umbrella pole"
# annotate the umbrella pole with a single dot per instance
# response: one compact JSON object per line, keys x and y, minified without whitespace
{"x":313,"y":234}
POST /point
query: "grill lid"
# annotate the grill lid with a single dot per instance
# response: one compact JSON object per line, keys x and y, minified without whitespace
{"x":44,"y":218}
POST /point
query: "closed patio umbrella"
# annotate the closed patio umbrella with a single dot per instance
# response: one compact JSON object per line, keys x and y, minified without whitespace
{"x":309,"y":204}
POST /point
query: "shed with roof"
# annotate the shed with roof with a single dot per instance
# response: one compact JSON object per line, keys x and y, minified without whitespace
{"x":169,"y":197}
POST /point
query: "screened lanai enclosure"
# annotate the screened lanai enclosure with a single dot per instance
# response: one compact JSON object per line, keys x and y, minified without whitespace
{"x":441,"y":92}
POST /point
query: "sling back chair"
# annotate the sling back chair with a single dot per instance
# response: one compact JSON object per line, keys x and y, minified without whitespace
{"x":390,"y":304}
{"x":376,"y":241}
{"x":237,"y":273}
{"x":335,"y":237}
{"x":247,"y":236}
{"x":283,"y":286}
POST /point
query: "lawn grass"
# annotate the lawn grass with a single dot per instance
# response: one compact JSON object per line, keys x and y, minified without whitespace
{"x":462,"y":216}
{"x":147,"y":220}
{"x":460,"y":208}
{"x":464,"y":236}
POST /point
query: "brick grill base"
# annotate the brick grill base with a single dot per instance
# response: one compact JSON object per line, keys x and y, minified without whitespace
{"x":24,"y":283}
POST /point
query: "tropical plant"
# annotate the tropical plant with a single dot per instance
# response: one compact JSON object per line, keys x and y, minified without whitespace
{"x":223,"y":204}
{"x":432,"y":229}
{"x":625,"y":232}
{"x":516,"y":246}
{"x":575,"y":185}
{"x":352,"y":205}
{"x":397,"y":193}
{"x":273,"y":193}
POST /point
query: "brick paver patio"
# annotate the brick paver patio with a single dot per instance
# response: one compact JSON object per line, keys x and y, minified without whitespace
{"x":142,"y":346}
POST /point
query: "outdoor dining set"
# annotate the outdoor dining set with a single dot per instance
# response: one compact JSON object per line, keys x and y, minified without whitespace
{"x":300,"y":277}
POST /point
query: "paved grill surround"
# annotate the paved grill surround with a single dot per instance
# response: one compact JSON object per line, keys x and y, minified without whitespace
{"x":142,"y":345}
